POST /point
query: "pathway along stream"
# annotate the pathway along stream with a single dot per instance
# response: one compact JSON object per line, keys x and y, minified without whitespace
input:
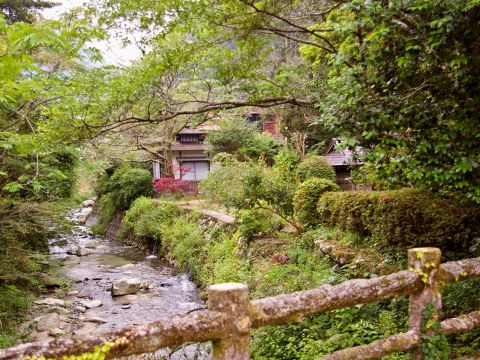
{"x":90,"y":307}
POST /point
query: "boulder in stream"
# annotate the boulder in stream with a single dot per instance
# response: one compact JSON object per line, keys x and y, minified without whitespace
{"x":82,"y":252}
{"x":91,"y":245}
{"x":51,"y":302}
{"x":89,"y":304}
{"x":88,"y":203}
{"x":48,"y":322}
{"x":126,"y":286}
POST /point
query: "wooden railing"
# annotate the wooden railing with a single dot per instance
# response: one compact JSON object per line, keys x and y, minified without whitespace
{"x":231,"y":315}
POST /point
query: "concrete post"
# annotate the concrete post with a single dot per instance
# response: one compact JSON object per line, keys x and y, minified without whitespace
{"x":426,"y":262}
{"x":233,"y":300}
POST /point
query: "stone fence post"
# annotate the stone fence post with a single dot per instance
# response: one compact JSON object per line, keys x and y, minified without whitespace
{"x":233,"y":300}
{"x":426,"y":262}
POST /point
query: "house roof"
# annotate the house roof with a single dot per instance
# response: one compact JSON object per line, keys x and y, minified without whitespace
{"x":341,"y":157}
{"x":202,"y":129}
{"x":191,"y":131}
{"x":190,"y":147}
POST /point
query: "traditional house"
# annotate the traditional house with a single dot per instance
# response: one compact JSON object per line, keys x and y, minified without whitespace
{"x":190,"y":156}
{"x":269,"y":124}
{"x":343,"y":160}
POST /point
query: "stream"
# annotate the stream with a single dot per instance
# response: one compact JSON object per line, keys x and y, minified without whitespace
{"x":92,"y":263}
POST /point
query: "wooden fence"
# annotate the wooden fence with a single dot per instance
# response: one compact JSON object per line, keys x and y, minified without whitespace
{"x":231,"y":315}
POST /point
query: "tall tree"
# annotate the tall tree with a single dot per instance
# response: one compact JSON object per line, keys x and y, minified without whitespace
{"x":23,"y":10}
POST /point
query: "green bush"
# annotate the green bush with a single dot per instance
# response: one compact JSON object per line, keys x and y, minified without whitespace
{"x":314,"y":166}
{"x":404,"y":218}
{"x":146,"y":217}
{"x":306,"y":199}
{"x":13,"y":307}
{"x":125,"y":185}
{"x":117,"y":189}
{"x":253,"y":222}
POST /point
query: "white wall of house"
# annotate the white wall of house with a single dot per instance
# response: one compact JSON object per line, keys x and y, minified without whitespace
{"x":197,"y":161}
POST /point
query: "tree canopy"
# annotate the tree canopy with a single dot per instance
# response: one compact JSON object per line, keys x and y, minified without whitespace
{"x":23,"y":10}
{"x":398,"y":77}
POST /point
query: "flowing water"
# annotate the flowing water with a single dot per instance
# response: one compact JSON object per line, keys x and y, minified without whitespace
{"x":169,"y":291}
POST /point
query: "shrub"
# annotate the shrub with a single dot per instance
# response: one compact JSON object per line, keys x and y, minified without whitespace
{"x":253,"y":222}
{"x":147,"y":217}
{"x":314,"y":166}
{"x":405,"y":218}
{"x":124,"y":185}
{"x":306,"y":199}
{"x":250,"y":185}
{"x":286,"y":161}
{"x":173,"y":186}
{"x":231,"y":135}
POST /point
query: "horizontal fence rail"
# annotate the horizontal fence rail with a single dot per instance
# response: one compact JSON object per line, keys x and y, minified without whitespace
{"x":231,"y":315}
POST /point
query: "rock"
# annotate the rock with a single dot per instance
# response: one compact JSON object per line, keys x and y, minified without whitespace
{"x":126,"y":286}
{"x":127,"y":266}
{"x":62,"y":311}
{"x":48,"y":322}
{"x":336,"y":268}
{"x":49,"y":282}
{"x":72,"y":293}
{"x":41,"y":337}
{"x":89,"y":304}
{"x":91,"y":245}
{"x":80,"y":219}
{"x":87,"y":329}
{"x":96,"y":320}
{"x":166,"y":285}
{"x":80,"y":309}
{"x":25,"y":327}
{"x":146,"y":286}
{"x":125,"y":307}
{"x":82,"y":252}
{"x":51,"y":302}
{"x":56,"y":332}
{"x":71,"y":251}
{"x":324,"y":249}
{"x":88,"y":203}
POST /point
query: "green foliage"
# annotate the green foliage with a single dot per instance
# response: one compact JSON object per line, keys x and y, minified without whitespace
{"x":125,"y":185}
{"x":434,"y":343}
{"x":13,"y":307}
{"x":325,"y":333}
{"x":402,"y":219}
{"x":23,"y":10}
{"x":314,"y":166}
{"x":306,"y":199}
{"x":239,"y":137}
{"x":403,"y":82}
{"x":253,"y":222}
{"x":231,"y":135}
{"x":25,"y":228}
{"x":249,"y":185}
{"x":285,"y":162}
{"x":147,"y":218}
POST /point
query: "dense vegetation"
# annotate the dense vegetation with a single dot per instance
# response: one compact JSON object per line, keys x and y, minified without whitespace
{"x":215,"y":255}
{"x":397,"y":80}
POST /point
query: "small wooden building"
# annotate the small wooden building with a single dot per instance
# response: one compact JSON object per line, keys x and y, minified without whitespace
{"x":343,"y":161}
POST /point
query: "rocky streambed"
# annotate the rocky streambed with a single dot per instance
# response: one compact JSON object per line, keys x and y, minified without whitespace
{"x":113,"y":286}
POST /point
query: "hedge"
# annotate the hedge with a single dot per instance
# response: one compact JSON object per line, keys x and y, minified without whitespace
{"x":306,"y":198}
{"x":406,"y":218}
{"x":314,"y":166}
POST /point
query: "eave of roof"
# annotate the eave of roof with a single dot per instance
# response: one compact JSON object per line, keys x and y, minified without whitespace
{"x":190,"y":147}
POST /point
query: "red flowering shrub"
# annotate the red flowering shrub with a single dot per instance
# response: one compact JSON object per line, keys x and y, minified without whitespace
{"x":173,"y":186}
